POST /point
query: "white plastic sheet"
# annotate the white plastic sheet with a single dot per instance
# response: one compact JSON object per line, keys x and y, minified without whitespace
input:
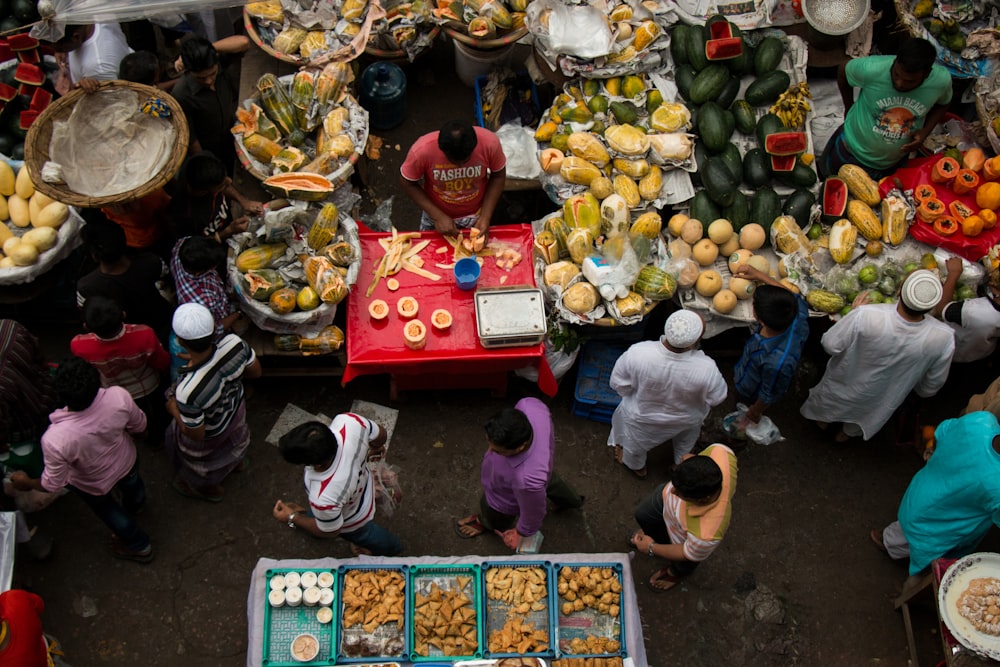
{"x":57,"y":14}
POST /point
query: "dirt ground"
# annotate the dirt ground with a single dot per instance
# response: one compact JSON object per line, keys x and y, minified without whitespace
{"x":795,"y":582}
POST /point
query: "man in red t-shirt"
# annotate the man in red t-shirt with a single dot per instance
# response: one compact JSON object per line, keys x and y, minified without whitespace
{"x":21,"y":640}
{"x":456,"y":175}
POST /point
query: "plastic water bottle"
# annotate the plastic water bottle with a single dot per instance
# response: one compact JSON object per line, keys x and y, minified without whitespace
{"x":599,"y":272}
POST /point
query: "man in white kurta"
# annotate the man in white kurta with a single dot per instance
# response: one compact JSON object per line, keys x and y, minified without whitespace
{"x":976,"y":322}
{"x":879,"y":353}
{"x":668,"y":388}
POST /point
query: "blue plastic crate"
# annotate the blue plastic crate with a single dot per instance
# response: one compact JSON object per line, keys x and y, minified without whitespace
{"x":581,"y":623}
{"x":522,"y":82}
{"x":283,"y":624}
{"x":594,"y":398}
{"x":351,"y":647}
{"x":499,"y":612}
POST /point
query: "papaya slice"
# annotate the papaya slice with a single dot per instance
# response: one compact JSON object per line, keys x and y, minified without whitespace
{"x":960,"y":211}
{"x":923,"y":192}
{"x":930,"y":209}
{"x":945,"y":170}
{"x":407,"y":307}
{"x":965,"y":181}
{"x":946,"y":225}
{"x":378,"y":309}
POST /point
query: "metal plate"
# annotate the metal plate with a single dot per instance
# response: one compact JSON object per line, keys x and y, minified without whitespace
{"x":835,"y":17}
{"x":508,"y":317}
{"x":955,"y":581}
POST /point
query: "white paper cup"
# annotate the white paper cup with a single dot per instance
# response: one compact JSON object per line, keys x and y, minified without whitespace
{"x":277,"y":583}
{"x":293,"y":596}
{"x":276,"y":598}
{"x":292,"y":579}
{"x":310,"y":596}
{"x":324,"y":579}
{"x":308,"y":580}
{"x":324,"y":615}
{"x":326,"y":596}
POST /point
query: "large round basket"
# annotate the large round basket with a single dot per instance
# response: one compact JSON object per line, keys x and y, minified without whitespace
{"x":486,"y":44}
{"x":400,"y":54}
{"x":251,"y":27}
{"x":36,"y":148}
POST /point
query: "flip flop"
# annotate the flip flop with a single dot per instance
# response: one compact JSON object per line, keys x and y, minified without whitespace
{"x":471,"y":522}
{"x":662,"y":580}
{"x":876,"y":536}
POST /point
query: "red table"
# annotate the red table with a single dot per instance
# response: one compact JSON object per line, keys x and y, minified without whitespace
{"x":453,"y":358}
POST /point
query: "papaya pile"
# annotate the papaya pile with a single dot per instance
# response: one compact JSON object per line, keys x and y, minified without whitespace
{"x":482,"y":19}
{"x":29,"y":220}
{"x":304,"y":124}
{"x":302,"y":41}
{"x":289,"y":281}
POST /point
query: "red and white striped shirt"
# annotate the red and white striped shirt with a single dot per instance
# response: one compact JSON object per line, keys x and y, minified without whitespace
{"x":342,"y":496}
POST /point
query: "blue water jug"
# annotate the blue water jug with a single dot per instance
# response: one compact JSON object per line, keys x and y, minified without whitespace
{"x":383,"y":94}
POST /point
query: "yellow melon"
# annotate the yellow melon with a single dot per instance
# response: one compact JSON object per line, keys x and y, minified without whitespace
{"x":729,"y":247}
{"x":688,"y":273}
{"x":705,"y":252}
{"x":742,"y":288}
{"x":720,"y":231}
{"x":678,"y":249}
{"x":709,"y":283}
{"x":692,"y":231}
{"x":724,"y":301}
{"x":752,"y":236}
{"x":676,"y":223}
{"x":739,"y":258}
{"x":760,"y":263}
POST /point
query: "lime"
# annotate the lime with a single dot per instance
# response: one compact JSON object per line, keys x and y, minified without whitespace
{"x":845,"y":310}
{"x":875,"y":297}
{"x":868,"y":274}
{"x":964,"y":292}
{"x":815,"y":231}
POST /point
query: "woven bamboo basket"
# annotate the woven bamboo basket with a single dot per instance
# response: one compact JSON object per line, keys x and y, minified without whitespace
{"x":251,"y":28}
{"x":486,"y":44}
{"x":36,"y":148}
{"x":400,"y":54}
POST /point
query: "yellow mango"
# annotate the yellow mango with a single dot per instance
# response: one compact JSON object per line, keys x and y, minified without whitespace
{"x":6,"y":179}
{"x":19,"y":213}
{"x":23,"y":186}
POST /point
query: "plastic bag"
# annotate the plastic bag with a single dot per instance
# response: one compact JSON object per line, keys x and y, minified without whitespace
{"x":519,"y":146}
{"x":612,"y":278}
{"x":57,"y":14}
{"x":763,"y":432}
{"x":388,"y":492}
{"x":576,"y":30}
{"x":735,"y":423}
{"x":380,"y":219}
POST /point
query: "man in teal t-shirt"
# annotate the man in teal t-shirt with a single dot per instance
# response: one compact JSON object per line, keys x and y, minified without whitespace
{"x":901,"y":99}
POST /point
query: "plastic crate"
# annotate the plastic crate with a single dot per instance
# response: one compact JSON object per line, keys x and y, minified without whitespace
{"x":447,"y":579}
{"x":594,"y":398}
{"x":283,"y":624}
{"x":383,"y":633}
{"x":498,"y":612}
{"x":589,"y":621}
{"x":528,"y":113}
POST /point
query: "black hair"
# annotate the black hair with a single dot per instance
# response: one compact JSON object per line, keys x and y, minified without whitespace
{"x":105,"y":239}
{"x":308,"y":444}
{"x":508,"y":429}
{"x":200,"y":253}
{"x":916,"y":55}
{"x":198,"y":54}
{"x":77,"y":383}
{"x":198,"y":344}
{"x":457,"y":139}
{"x":103,"y":316}
{"x":697,"y":478}
{"x":775,"y":307}
{"x":140,"y":67}
{"x":912,"y":312}
{"x":70,"y":33}
{"x":203,"y":172}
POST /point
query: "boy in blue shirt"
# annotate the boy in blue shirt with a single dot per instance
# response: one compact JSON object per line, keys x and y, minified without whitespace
{"x":769,"y":360}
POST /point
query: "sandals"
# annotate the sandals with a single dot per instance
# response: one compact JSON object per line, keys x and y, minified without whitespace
{"x":212,"y":494}
{"x":641,"y":473}
{"x":471,"y":523}
{"x":663,"y":580}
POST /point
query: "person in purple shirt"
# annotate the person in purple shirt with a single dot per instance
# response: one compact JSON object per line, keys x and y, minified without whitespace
{"x":518,"y":475}
{"x":89,"y":448}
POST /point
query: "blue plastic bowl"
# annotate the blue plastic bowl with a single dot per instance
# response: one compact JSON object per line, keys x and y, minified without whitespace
{"x":466,"y":273}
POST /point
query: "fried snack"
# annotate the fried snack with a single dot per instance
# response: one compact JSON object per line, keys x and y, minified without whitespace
{"x":979,"y":604}
{"x":517,"y":636}
{"x":587,"y":662}
{"x":518,"y":662}
{"x":589,"y":587}
{"x":594,"y":644}
{"x":446,"y":620}
{"x":521,"y":588}
{"x":373,"y":598}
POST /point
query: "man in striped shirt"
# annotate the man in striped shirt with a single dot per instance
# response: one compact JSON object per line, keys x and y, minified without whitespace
{"x":338,"y":482}
{"x":684,"y":520}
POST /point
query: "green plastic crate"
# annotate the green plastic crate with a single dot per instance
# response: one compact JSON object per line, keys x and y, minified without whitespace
{"x":283,"y":624}
{"x":589,"y":622}
{"x":384,"y":634}
{"x":446,"y":577}
{"x":498,"y":612}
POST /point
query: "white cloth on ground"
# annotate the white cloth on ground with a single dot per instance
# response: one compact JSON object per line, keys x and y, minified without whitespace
{"x":877,"y":358}
{"x":665,"y":395}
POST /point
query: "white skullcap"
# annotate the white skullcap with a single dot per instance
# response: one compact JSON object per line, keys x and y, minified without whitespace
{"x":683,"y":329}
{"x":193,"y":321}
{"x":921,"y":290}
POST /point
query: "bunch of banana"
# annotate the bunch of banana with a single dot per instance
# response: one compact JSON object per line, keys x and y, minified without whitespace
{"x":793,"y":105}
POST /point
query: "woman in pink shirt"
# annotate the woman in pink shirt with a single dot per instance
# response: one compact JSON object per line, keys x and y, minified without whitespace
{"x":89,"y":448}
